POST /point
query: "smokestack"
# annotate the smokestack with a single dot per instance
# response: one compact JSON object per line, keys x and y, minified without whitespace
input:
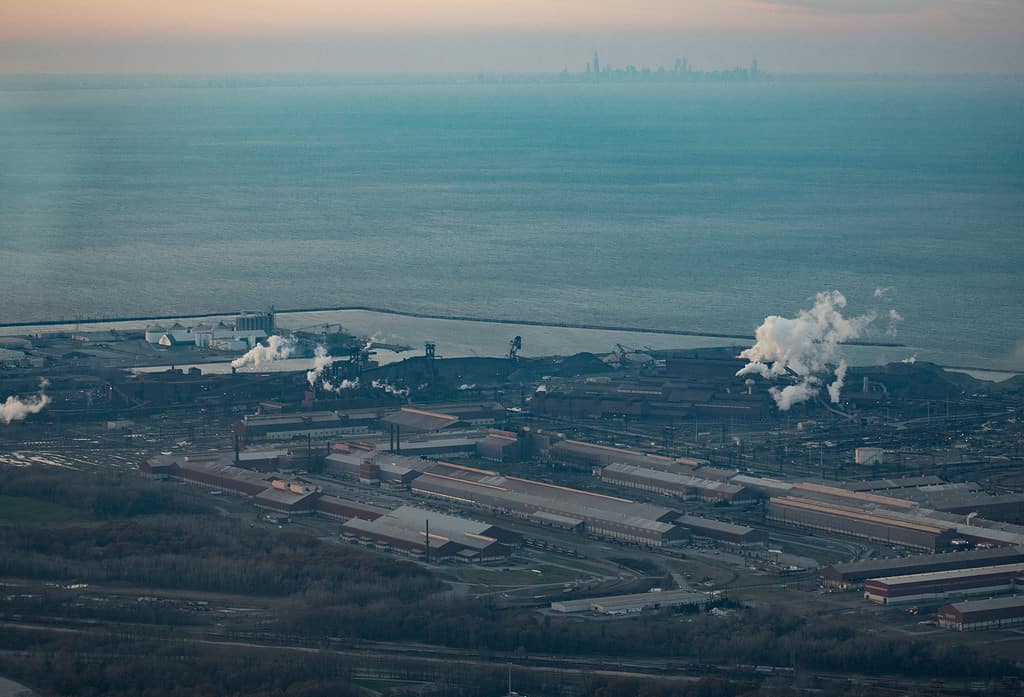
{"x":428,"y":539}
{"x":867,"y":385}
{"x":237,"y":450}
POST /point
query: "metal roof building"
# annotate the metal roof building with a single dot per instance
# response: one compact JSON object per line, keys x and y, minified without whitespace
{"x":603,"y":515}
{"x":889,"y":484}
{"x":682,"y":485}
{"x":853,"y":575}
{"x":941,"y":584}
{"x":294,"y":499}
{"x":453,"y":526}
{"x":974,"y":615}
{"x":845,"y":496}
{"x":322,"y":424}
{"x":405,"y":530}
{"x":578,"y":453}
{"x":765,"y":486}
{"x":876,"y":525}
{"x":334,"y":507}
{"x":721,"y":531}
{"x":633,"y":603}
{"x":420,"y":420}
{"x":500,"y":446}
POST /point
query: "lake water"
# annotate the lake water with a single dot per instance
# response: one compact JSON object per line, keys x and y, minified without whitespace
{"x":678,"y":206}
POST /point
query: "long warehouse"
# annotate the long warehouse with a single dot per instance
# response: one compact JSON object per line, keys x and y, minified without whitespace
{"x":872,"y":525}
{"x":549,"y":504}
{"x":974,"y":615}
{"x":673,"y":484}
{"x":941,"y":584}
{"x":853,"y":575}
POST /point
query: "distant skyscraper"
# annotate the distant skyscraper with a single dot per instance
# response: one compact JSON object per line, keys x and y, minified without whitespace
{"x":753,"y":68}
{"x":597,"y":64}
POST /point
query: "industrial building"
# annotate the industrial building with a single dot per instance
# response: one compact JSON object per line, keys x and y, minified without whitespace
{"x":722,"y":532}
{"x":343,"y":509}
{"x":846,"y":497}
{"x":874,"y":525}
{"x":1003,"y":507}
{"x":763,"y":486}
{"x":891,"y":484}
{"x":246,"y":330}
{"x":268,"y":491}
{"x":658,"y":398}
{"x":317,"y":424}
{"x":942,"y":584}
{"x":671,"y":484}
{"x":979,"y":615}
{"x":853,"y":575}
{"x":472,"y":414}
{"x":436,"y":447}
{"x":430,"y":535}
{"x":500,"y":446}
{"x":576,"y":453}
{"x":288,"y":498}
{"x":549,"y":504}
{"x":636,"y":602}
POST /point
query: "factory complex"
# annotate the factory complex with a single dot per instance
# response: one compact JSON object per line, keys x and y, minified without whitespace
{"x":889,"y":511}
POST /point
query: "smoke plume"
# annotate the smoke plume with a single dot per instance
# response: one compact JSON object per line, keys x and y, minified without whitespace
{"x":15,"y":409}
{"x":277,"y":349}
{"x":804,"y":348}
{"x":390,"y":389}
{"x":894,"y":319}
{"x":321,"y":361}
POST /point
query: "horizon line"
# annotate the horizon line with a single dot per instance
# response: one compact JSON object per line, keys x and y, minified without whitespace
{"x":496,"y":73}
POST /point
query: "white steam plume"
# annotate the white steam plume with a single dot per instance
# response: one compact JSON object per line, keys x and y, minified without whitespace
{"x":15,"y":409}
{"x":793,"y":394}
{"x":277,"y":349}
{"x":837,"y":384}
{"x":321,"y":361}
{"x":894,"y":319}
{"x":882,"y":292}
{"x":390,"y":389}
{"x":910,"y":359}
{"x":805,"y":348}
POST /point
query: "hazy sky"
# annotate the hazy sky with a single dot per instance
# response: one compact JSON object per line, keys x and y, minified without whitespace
{"x":125,"y":36}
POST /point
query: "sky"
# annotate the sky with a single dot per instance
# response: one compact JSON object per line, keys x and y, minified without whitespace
{"x":471,"y":36}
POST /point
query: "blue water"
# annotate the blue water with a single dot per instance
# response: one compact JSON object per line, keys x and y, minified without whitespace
{"x":690,"y":206}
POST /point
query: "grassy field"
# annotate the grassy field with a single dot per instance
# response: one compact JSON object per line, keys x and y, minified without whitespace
{"x":498,"y":577}
{"x":17,"y":509}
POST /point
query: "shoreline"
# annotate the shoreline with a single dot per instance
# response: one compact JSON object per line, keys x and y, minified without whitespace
{"x":428,"y":315}
{"x":477,"y":339}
